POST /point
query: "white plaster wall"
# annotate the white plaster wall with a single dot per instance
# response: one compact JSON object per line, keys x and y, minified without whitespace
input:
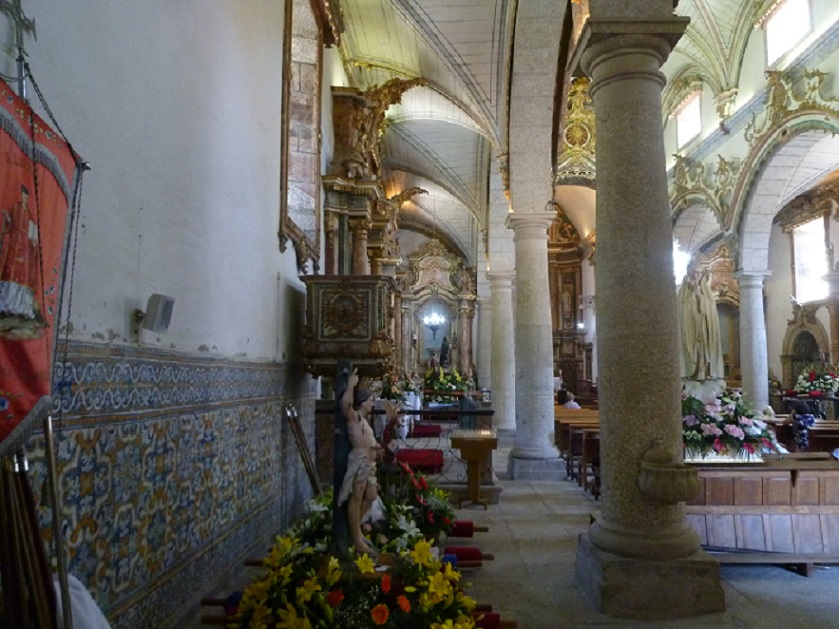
{"x":177,"y":108}
{"x":777,"y":288}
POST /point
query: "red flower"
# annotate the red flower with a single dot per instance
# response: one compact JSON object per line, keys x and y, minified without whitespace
{"x":718,"y":446}
{"x":430,"y":516}
{"x":749,"y":448}
{"x":405,"y":467}
{"x":380,"y":614}
{"x":404,"y":603}
{"x":447,"y":522}
{"x":386,"y":583}
{"x":335,"y":597}
{"x":812,"y":375}
{"x":423,"y":484}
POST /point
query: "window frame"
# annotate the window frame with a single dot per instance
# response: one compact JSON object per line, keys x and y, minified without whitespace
{"x":694,"y":97}
{"x":822,"y":246}
{"x":772,"y":15}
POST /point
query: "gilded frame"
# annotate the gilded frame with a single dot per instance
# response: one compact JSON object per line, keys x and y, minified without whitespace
{"x":300,"y":133}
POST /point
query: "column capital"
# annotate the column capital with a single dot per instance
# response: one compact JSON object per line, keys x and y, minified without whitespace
{"x":530,"y":225}
{"x":497,"y":279}
{"x":751,"y":279}
{"x":603,"y":38}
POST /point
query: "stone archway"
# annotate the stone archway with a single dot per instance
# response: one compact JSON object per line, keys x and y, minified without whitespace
{"x":805,"y":342}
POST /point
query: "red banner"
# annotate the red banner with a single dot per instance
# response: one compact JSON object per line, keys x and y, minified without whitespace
{"x":37,"y":178}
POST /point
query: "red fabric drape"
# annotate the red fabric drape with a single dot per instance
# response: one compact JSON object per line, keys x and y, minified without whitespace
{"x":36,"y":185}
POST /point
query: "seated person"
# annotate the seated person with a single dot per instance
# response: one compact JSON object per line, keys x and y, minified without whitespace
{"x":570,"y":402}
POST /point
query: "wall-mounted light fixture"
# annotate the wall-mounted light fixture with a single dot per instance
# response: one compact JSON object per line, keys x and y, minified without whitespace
{"x":433,"y":322}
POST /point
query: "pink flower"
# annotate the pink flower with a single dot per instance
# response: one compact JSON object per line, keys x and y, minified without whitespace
{"x":734,"y":431}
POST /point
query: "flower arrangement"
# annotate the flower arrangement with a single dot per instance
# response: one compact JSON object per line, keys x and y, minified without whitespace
{"x":816,"y":380}
{"x":725,"y":426}
{"x":444,"y":386}
{"x":303,"y":589}
{"x":395,"y":385}
{"x":429,"y":507}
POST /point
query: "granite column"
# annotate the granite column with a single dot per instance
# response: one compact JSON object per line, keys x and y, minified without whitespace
{"x":534,"y":346}
{"x":641,"y":558}
{"x":502,"y":353}
{"x":754,"y":361}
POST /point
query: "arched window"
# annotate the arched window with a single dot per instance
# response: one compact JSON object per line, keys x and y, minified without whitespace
{"x":688,"y":120}
{"x":787,"y":25}
{"x":810,"y":260}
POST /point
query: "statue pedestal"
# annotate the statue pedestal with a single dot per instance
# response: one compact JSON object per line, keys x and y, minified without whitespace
{"x":705,"y":390}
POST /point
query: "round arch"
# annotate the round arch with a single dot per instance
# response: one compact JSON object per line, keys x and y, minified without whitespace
{"x":802,"y":149}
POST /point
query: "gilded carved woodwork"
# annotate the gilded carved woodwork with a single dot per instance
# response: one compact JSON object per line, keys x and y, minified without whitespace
{"x":691,"y":180}
{"x":805,"y":207}
{"x":577,"y":159}
{"x":720,"y":265}
{"x":369,"y":123}
{"x":349,"y":318}
{"x":787,"y":96}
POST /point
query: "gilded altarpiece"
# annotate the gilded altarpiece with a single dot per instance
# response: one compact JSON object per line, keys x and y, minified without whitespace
{"x":437,"y":281}
{"x":565,"y":258}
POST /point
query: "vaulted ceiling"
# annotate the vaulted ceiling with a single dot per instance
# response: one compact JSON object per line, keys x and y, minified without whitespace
{"x":445,"y":136}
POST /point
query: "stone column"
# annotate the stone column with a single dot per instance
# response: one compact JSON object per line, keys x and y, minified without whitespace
{"x":534,"y":348}
{"x":832,"y":279}
{"x":396,"y":326}
{"x":360,"y":260}
{"x":754,"y":362}
{"x":484,"y":348}
{"x":465,"y":314}
{"x":407,"y":338}
{"x":330,"y":231}
{"x":641,"y":558}
{"x":503,"y":358}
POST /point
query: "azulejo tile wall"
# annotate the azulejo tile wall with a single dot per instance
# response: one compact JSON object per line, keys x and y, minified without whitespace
{"x":170,"y":467}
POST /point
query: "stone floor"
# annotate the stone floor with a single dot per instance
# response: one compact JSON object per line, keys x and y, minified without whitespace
{"x":533,"y":536}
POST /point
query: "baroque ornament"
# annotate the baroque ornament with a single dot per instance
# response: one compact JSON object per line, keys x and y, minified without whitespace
{"x":577,"y":160}
{"x":783,"y":101}
{"x":691,"y":180}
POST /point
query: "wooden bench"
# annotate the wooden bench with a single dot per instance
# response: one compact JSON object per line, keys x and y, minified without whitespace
{"x":569,"y":425}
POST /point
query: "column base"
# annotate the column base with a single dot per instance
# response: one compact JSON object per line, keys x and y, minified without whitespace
{"x":535,"y":469}
{"x":649,"y":589}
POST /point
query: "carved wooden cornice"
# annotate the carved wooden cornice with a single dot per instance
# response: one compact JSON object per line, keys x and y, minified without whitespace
{"x":804,"y":208}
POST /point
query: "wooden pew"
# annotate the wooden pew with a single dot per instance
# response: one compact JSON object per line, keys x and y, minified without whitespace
{"x":589,"y":450}
{"x":568,"y":435}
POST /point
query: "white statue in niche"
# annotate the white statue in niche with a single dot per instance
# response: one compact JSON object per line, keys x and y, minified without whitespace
{"x":701,"y":342}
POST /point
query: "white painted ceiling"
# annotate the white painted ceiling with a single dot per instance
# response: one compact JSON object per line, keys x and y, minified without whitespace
{"x":444,"y":136}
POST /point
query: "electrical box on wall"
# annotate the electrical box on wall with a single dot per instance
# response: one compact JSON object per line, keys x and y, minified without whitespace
{"x":158,"y":313}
